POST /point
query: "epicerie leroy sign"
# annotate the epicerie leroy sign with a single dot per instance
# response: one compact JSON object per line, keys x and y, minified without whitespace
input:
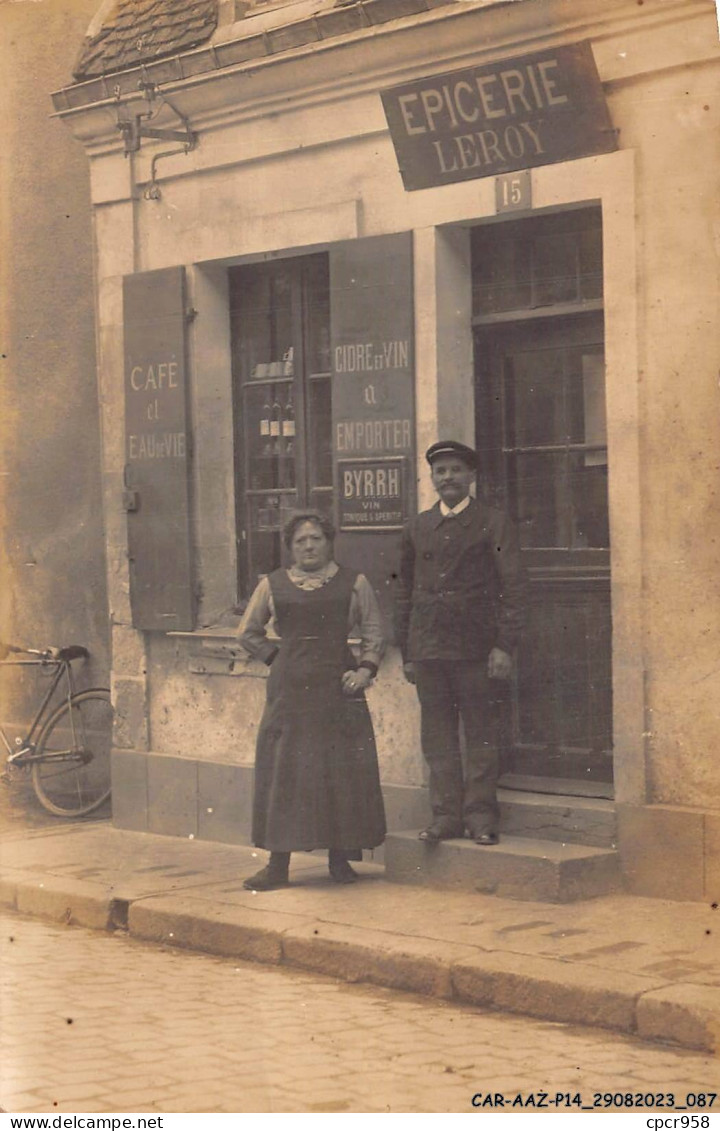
{"x":532,"y":110}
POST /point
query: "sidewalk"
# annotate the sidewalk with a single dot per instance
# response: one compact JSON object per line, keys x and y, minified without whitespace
{"x":637,"y":966}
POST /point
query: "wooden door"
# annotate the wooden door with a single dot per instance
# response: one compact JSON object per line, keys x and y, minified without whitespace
{"x":541,"y":434}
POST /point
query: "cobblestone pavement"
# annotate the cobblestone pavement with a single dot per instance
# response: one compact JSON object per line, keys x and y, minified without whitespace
{"x":101,"y":1023}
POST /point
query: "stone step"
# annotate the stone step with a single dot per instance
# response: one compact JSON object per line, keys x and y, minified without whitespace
{"x":516,"y":868}
{"x":570,"y":820}
{"x":561,"y":817}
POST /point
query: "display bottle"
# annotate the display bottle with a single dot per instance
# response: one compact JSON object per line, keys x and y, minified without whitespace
{"x":288,"y":424}
{"x":288,"y":432}
{"x":265,"y":413}
{"x":265,"y":425}
{"x":275,"y":426}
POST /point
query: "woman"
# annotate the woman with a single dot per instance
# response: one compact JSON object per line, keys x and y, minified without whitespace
{"x":316,"y":774}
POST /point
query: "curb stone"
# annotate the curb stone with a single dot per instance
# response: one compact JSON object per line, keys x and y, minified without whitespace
{"x":399,"y":962}
{"x":229,"y":931}
{"x":684,"y":1014}
{"x":558,"y":990}
{"x":545,"y":988}
{"x":75,"y":902}
{"x":551,"y":989}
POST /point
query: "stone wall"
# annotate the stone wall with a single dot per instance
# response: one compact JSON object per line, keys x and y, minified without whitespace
{"x":52,"y":546}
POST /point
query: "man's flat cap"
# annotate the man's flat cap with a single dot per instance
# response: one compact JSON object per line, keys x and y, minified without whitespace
{"x":451,"y":448}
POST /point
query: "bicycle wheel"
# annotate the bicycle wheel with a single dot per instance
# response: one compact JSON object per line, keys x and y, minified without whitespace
{"x":73,"y":776}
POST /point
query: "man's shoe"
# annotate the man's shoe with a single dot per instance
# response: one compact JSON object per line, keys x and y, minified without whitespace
{"x":342,"y":873}
{"x":486,"y":838}
{"x":267,"y":879}
{"x":440,"y":831}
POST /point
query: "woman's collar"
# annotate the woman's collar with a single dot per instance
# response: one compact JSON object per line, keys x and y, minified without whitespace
{"x":312,"y":579}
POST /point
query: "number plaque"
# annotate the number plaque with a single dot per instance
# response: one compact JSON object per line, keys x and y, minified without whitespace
{"x":513,"y":191}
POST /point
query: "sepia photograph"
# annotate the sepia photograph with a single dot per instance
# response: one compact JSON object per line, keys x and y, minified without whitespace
{"x":359,"y":560}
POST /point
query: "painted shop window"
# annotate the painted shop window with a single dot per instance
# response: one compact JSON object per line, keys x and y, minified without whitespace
{"x":280,"y":319}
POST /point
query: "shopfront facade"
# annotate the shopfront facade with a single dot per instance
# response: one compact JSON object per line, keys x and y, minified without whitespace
{"x":394,"y":222}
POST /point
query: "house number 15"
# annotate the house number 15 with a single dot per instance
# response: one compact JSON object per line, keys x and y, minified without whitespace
{"x":513,"y":191}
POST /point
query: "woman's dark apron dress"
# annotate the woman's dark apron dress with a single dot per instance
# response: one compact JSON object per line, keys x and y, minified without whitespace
{"x":316,"y":774}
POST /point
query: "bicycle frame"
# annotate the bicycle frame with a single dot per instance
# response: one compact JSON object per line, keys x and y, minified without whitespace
{"x":26,"y":745}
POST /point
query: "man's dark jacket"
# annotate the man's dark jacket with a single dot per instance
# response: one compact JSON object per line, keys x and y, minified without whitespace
{"x":461,"y":587}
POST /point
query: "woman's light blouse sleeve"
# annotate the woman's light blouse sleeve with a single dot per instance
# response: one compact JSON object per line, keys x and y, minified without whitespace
{"x":366,"y":616}
{"x":252,"y":632}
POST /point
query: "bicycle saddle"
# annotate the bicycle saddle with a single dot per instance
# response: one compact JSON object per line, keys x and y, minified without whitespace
{"x":73,"y":652}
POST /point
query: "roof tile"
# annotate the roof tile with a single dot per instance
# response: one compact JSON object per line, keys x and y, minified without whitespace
{"x":137,"y":31}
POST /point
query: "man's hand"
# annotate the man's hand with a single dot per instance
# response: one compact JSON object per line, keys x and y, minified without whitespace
{"x":354,"y":682}
{"x":500,"y":664}
{"x":409,"y":672}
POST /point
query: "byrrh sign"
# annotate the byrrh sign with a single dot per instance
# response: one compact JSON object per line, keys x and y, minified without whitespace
{"x":533,"y":110}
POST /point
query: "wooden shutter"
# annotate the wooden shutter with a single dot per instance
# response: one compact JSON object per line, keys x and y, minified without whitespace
{"x":157,"y":450}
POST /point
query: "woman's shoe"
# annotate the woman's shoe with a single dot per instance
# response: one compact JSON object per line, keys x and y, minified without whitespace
{"x":267,"y":879}
{"x":339,"y":869}
{"x":341,"y":872}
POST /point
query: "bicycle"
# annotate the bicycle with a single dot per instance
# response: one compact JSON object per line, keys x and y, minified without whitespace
{"x":66,"y":748}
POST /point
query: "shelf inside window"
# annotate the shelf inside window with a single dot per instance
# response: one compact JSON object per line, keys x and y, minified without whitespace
{"x":257,"y":382}
{"x":274,"y":491}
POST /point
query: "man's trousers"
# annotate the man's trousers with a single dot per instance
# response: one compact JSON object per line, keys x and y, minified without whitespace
{"x":451,"y":690}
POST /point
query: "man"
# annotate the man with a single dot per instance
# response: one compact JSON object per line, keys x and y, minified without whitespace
{"x":459,"y":612}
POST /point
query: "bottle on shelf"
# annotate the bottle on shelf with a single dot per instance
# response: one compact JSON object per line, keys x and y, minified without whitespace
{"x":288,"y":433}
{"x":265,"y":426}
{"x":273,"y":505}
{"x":288,"y":424}
{"x":275,"y":424}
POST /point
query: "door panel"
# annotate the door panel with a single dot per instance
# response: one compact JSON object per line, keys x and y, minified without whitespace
{"x":541,"y":437}
{"x":562,"y":699}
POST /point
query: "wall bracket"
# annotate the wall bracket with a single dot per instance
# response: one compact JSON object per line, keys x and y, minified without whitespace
{"x":135,"y":128}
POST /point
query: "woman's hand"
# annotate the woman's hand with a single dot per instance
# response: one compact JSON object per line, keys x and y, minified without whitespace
{"x":354,"y":682}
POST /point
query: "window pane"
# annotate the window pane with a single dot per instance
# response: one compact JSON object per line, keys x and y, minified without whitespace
{"x":538,"y":488}
{"x":317,"y":289}
{"x":561,"y":499}
{"x":591,"y":263}
{"x":555,"y":269}
{"x":251,"y":330}
{"x":269,"y":424}
{"x":280,"y":323}
{"x":267,"y":515}
{"x":588,"y":487}
{"x":534,"y":400}
{"x":322,"y":500}
{"x":538,"y":261}
{"x":501,"y":275}
{"x":262,"y":321}
{"x":587,"y":423}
